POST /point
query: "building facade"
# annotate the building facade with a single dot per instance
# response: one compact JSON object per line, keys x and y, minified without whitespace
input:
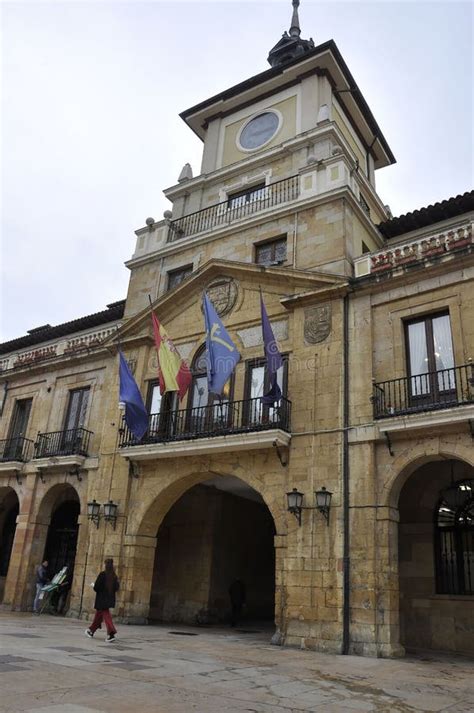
{"x":374,"y":317}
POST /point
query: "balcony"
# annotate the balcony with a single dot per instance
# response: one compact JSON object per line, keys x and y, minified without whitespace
{"x":234,"y":209}
{"x":432,"y":391}
{"x":73,"y":442}
{"x":233,"y":425}
{"x":16,"y":449}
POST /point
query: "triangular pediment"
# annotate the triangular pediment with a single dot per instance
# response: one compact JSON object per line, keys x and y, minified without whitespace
{"x":229,"y":285}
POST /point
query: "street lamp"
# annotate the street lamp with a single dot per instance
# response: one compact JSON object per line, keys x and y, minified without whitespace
{"x":93,"y":512}
{"x":295,"y":503}
{"x":110,"y":512}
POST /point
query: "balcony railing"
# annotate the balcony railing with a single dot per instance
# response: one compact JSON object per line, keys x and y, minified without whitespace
{"x":208,"y":421}
{"x":74,"y":441}
{"x":15,"y":449}
{"x":233,"y":209}
{"x":431,"y":391}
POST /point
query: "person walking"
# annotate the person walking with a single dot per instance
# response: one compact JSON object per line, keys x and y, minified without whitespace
{"x":41,"y":580}
{"x":106,"y":586}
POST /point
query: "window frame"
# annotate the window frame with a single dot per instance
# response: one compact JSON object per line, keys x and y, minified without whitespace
{"x":257,"y":362}
{"x":245,"y":193}
{"x":188,"y":269}
{"x":272,"y":242}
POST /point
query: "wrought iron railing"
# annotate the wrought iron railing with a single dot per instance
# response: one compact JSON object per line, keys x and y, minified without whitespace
{"x":17,"y":448}
{"x":74,"y":441}
{"x":433,"y":390}
{"x":232,"y":209}
{"x":207,"y":421}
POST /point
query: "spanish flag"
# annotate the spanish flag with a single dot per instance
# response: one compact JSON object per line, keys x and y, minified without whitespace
{"x":173,"y":371}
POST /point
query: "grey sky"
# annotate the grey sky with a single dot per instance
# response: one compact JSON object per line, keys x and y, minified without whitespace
{"x":91,"y":134}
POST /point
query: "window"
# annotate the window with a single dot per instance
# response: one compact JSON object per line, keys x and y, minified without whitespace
{"x":454,"y":539}
{"x":430,"y":357}
{"x":18,"y":426}
{"x":161,"y":409}
{"x":175,"y":277}
{"x":248,"y":195}
{"x":77,"y":408}
{"x":271,"y":252}
{"x":259,"y":130}
{"x":206,"y":411}
{"x":365,"y":248}
{"x":256,"y":385}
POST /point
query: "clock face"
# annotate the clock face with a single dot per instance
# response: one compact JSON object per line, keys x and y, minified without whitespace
{"x":259,"y":130}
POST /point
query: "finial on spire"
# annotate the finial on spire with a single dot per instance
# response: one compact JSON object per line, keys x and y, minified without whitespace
{"x":291,"y":45}
{"x":295,"y":30}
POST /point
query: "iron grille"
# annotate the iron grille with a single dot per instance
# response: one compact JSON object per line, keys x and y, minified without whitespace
{"x":15,"y":449}
{"x":207,"y":421}
{"x":228,"y":211}
{"x":74,"y":441}
{"x":433,"y":390}
{"x":454,"y":545}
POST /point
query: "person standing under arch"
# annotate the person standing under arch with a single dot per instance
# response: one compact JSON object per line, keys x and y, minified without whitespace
{"x":106,"y":586}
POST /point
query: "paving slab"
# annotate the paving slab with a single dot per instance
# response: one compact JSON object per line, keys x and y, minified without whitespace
{"x":47,"y":665}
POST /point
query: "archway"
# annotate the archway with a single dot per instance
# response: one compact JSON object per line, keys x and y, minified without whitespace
{"x":9,"y":509}
{"x":218,"y":531}
{"x":436,"y":557}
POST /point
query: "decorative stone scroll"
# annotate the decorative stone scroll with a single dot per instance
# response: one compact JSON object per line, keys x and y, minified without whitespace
{"x":223,"y":292}
{"x":317,"y":323}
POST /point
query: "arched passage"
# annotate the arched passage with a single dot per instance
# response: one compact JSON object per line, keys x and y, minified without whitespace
{"x":436,"y":557}
{"x":218,"y":531}
{"x":9,"y":509}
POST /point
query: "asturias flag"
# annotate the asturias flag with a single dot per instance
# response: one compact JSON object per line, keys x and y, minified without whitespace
{"x":221,"y":352}
{"x":273,"y":358}
{"x":136,"y":416}
{"x":173,"y":371}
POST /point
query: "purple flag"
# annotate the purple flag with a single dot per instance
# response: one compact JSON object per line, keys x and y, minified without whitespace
{"x":273,"y":358}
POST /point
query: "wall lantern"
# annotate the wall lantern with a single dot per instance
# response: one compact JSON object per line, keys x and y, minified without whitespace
{"x":110,"y":512}
{"x":458,"y":495}
{"x":295,"y":503}
{"x":93,"y":512}
{"x":323,"y":503}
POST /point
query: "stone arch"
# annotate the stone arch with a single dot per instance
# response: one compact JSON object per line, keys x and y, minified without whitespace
{"x":147,"y":519}
{"x":151,"y":513}
{"x":412,"y":458}
{"x":54,"y":496}
{"x":9,"y":511}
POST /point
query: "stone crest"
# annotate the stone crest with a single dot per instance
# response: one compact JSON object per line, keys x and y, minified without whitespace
{"x":317,"y":323}
{"x":223,"y":292}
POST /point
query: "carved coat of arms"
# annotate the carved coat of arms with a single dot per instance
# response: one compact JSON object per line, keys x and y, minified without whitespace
{"x":222,"y":292}
{"x":317,"y":323}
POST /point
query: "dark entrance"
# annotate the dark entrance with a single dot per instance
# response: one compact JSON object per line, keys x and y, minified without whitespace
{"x":8,"y":516}
{"x":61,"y":542}
{"x":215,"y":533}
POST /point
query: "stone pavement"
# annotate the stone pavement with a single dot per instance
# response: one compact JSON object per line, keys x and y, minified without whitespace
{"x":48,"y":665}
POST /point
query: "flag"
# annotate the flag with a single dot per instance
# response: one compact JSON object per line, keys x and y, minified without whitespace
{"x":136,"y":416}
{"x":173,"y":371}
{"x":273,"y":358}
{"x":221,"y":352}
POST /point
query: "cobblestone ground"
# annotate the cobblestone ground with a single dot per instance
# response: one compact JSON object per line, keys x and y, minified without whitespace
{"x":48,"y":665}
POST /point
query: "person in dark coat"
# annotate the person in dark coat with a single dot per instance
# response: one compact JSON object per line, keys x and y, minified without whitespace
{"x":237,"y":600}
{"x":106,"y":586}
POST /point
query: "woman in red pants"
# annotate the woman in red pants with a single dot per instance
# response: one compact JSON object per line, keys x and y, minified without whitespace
{"x":106,"y":585}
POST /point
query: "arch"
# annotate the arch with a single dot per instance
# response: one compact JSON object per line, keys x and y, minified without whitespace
{"x":403,"y":465}
{"x":53,"y":497}
{"x":9,"y":510}
{"x":151,"y":514}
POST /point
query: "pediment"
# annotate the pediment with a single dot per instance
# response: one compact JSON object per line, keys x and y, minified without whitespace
{"x":233,"y":288}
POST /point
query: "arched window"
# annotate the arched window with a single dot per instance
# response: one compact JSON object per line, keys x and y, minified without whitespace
{"x":207,"y":413}
{"x":454,"y":539}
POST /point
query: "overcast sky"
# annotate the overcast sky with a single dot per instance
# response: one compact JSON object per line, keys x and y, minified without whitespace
{"x":91,"y":93}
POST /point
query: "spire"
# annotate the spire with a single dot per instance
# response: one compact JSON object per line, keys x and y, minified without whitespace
{"x":290,"y":46}
{"x":295,"y":30}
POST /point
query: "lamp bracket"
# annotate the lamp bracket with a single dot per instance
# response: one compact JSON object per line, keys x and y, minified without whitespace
{"x":133,"y":469}
{"x":41,"y":475}
{"x":17,"y":476}
{"x":389,"y":442}
{"x":279,"y":452}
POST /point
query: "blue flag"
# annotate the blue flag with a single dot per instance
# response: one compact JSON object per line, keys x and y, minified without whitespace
{"x":273,"y":359}
{"x":136,"y":416}
{"x":221,"y":352}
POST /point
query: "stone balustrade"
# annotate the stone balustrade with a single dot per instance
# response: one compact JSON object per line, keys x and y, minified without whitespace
{"x":62,"y":347}
{"x":400,"y":256}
